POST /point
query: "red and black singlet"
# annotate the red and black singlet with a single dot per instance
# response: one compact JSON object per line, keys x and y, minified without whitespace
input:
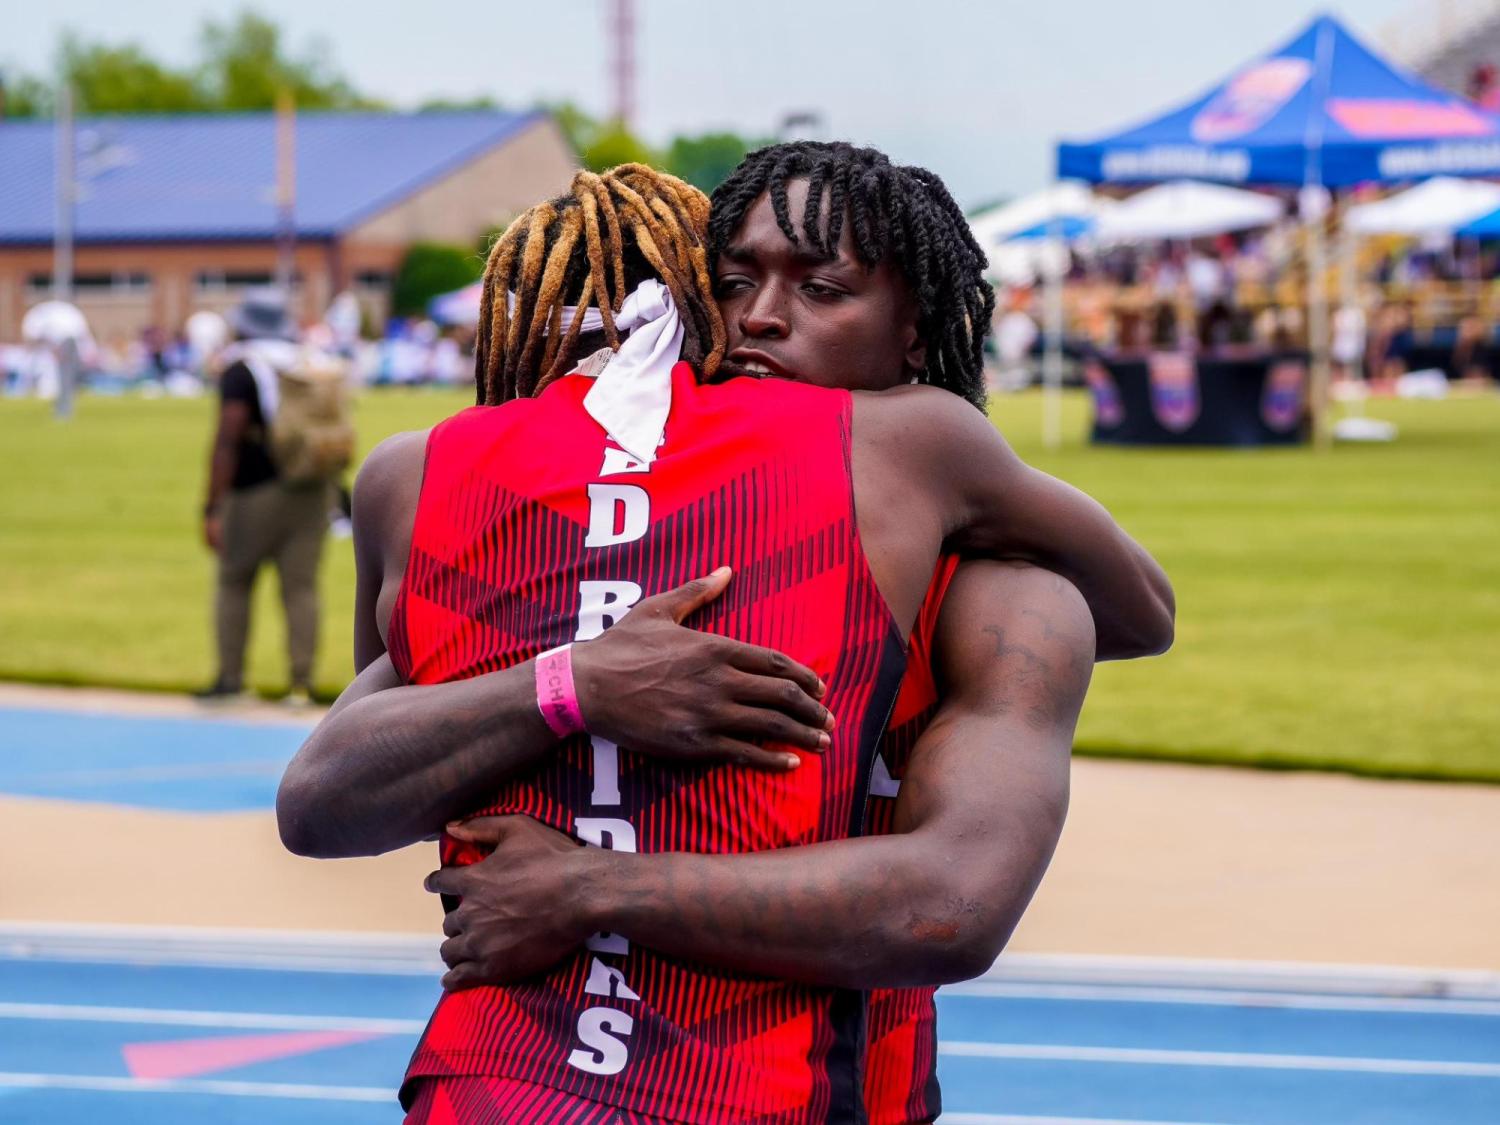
{"x":900,"y":1079}
{"x":532,"y":530}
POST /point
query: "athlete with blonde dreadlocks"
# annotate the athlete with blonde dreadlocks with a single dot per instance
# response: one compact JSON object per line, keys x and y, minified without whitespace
{"x":760,"y":474}
{"x":590,"y":249}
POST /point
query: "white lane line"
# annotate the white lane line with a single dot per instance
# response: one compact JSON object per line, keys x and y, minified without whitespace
{"x":1271,"y":976}
{"x":185,"y":771}
{"x":1149,"y":1056}
{"x":1220,"y":997}
{"x":196,"y":1086}
{"x":1029,"y":1119}
{"x":176,"y":1017}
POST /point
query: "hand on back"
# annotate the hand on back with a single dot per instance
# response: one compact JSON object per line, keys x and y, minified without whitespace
{"x":658,"y":687}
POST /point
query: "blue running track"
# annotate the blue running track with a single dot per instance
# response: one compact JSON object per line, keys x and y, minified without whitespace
{"x":126,"y":1040}
{"x":138,"y":1033}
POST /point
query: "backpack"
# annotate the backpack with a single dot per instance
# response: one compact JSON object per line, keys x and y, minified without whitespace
{"x":311,"y":436}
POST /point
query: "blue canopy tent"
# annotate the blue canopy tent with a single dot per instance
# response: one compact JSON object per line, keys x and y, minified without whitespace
{"x":1323,"y":111}
{"x":1069,"y":228}
{"x":1486,"y":226}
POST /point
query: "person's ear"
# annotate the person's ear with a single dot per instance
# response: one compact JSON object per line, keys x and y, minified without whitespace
{"x":915,"y":348}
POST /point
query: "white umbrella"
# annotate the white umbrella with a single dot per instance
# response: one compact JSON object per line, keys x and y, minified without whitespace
{"x":1022,"y":262}
{"x":1436,"y":207}
{"x":1186,"y":209}
{"x":54,"y":322}
{"x":1060,"y":201}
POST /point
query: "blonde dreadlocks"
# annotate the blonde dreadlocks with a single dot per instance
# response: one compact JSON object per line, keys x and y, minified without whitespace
{"x":590,"y":248}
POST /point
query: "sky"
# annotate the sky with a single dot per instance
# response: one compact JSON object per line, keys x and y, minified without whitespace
{"x":977,"y":90}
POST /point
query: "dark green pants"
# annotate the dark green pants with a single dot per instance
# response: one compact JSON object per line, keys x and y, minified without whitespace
{"x":281,"y":525}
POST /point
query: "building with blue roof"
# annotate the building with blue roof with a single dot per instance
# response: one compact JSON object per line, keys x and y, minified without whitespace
{"x":177,"y":213}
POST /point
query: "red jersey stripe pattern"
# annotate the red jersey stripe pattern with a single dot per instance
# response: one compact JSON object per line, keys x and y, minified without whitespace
{"x":532,"y":530}
{"x":900,"y":1081}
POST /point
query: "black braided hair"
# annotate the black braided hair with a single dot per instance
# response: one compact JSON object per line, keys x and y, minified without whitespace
{"x":891,"y":209}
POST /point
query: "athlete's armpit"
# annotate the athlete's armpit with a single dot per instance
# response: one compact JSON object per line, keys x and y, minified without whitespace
{"x":385,"y":506}
{"x":996,"y":506}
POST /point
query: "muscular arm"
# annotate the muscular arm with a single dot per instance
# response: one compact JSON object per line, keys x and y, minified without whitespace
{"x":978,"y":816}
{"x":390,"y":764}
{"x":1000,"y":507}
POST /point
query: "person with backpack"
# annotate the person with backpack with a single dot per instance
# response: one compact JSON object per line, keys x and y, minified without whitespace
{"x":284,"y":436}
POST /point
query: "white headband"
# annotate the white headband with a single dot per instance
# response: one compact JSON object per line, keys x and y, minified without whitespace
{"x":593,"y":319}
{"x":632,"y":396}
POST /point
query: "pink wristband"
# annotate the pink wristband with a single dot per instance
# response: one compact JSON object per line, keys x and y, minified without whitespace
{"x":556,"y":697}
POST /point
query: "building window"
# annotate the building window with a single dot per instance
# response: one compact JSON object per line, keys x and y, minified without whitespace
{"x":211,"y":282}
{"x":121,"y":283}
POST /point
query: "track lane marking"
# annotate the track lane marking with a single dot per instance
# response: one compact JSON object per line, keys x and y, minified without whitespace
{"x":1150,"y":1056}
{"x":117,"y":1085}
{"x":1137,"y":994}
{"x":1032,"y":1119}
{"x":177,"y":1017}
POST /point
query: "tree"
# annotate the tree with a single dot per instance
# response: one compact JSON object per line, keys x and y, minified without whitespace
{"x":705,"y":161}
{"x":25,"y":96}
{"x":245,"y":66}
{"x":612,"y":145}
{"x":124,"y":79}
{"x":576,"y":125}
{"x":431,"y":269}
{"x":448,"y":105}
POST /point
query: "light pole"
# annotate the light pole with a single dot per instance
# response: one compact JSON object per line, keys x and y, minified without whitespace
{"x":66,"y":197}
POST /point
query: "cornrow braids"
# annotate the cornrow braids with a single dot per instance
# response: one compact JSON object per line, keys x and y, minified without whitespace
{"x":893,"y":211}
{"x":589,"y":248}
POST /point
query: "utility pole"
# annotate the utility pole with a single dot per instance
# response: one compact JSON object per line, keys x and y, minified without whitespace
{"x":622,"y":43}
{"x":286,"y":191}
{"x":66,"y":351}
{"x":66,"y":196}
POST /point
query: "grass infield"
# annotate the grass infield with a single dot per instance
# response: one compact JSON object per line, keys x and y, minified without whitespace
{"x":1335,"y":610}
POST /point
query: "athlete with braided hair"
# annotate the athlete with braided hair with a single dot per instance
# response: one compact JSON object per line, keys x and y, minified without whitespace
{"x":897,"y":214}
{"x":833,"y":913}
{"x":534,"y":272}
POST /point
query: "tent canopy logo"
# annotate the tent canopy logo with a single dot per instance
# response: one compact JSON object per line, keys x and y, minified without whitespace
{"x":1250,"y":99}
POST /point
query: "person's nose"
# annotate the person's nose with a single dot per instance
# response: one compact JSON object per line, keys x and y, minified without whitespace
{"x":764,"y":315}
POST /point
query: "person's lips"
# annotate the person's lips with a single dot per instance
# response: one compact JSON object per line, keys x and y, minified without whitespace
{"x":758,"y":364}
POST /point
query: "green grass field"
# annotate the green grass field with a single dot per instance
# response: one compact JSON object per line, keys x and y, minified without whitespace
{"x":1336,"y":610}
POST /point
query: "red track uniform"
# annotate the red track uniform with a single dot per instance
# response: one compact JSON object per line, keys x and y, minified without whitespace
{"x":532,"y":530}
{"x":901,"y":1083}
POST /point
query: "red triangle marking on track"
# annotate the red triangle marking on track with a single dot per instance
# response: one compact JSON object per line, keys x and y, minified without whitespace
{"x":183,"y":1058}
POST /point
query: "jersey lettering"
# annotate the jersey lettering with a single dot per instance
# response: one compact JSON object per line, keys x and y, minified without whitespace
{"x":601,"y":604}
{"x":618,"y":513}
{"x":882,"y":784}
{"x":606,"y":772}
{"x":606,"y":980}
{"x":608,"y":1055}
{"x":596,"y":830}
{"x":616,"y":460}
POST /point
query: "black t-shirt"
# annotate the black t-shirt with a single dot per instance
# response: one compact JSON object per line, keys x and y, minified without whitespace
{"x":253,"y":464}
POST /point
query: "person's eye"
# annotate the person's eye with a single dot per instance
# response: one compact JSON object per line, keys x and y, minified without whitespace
{"x":819,"y":289}
{"x":728,"y":285}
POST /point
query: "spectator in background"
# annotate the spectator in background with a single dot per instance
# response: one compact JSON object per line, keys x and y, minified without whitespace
{"x":1207,"y":280}
{"x":250,"y":514}
{"x":1472,"y":352}
{"x":1385,"y":358}
{"x":1348,"y":342}
{"x":1015,"y":333}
